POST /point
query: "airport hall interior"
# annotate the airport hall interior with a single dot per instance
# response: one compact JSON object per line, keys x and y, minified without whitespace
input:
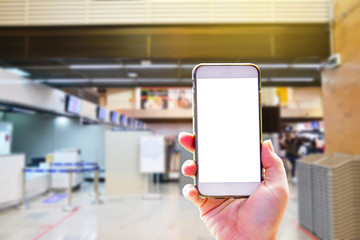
{"x":180,"y":119}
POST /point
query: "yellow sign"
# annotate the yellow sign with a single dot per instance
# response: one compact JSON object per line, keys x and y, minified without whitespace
{"x":282,"y":93}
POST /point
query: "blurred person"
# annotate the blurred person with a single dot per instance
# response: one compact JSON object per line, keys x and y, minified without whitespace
{"x":314,"y":147}
{"x":302,"y":152}
{"x":174,"y":150}
{"x":307,"y":144}
{"x":292,"y":148}
{"x":256,"y":217}
{"x":282,"y":153}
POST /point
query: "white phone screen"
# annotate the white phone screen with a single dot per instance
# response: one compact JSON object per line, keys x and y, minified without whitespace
{"x":228,"y":130}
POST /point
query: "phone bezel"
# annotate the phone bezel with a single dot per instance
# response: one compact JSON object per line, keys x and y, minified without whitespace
{"x":225,"y":190}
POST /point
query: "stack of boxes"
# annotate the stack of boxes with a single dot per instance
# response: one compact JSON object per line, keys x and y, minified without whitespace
{"x":305,"y":189}
{"x":329,"y":191}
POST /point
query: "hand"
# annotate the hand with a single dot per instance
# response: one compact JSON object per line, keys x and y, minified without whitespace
{"x":257,"y":217}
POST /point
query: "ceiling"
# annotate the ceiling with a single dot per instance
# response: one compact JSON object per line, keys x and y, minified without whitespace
{"x":158,"y":55}
{"x":117,"y":72}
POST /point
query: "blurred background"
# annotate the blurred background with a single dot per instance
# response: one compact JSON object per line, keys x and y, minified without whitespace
{"x":93,"y":94}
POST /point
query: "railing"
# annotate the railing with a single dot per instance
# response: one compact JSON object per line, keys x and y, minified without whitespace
{"x":95,"y":168}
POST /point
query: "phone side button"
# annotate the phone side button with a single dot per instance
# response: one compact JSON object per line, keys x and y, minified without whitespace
{"x":260,"y":97}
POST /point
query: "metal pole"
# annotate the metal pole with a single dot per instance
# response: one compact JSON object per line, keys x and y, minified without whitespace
{"x":50,"y":178}
{"x":147,"y":183}
{"x":96,"y":184}
{"x":23,"y":190}
{"x":69,"y":206}
{"x":157,"y":183}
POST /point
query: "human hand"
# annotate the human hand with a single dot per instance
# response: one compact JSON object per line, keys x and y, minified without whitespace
{"x":256,"y":217}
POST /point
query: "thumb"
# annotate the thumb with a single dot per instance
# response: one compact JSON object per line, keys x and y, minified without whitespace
{"x":273,"y":165}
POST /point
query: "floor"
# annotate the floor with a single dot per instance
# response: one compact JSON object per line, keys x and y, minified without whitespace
{"x":126,"y":217}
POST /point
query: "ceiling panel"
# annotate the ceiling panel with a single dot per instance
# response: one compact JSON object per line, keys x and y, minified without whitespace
{"x":51,"y":52}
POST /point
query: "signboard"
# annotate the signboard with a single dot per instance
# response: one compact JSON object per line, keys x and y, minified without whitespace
{"x":123,"y":120}
{"x":73,"y":104}
{"x":101,"y":113}
{"x":129,"y":122}
{"x":6,"y":129}
{"x":114,"y":117}
{"x":152,"y":154}
{"x":135,"y":123}
{"x":166,"y":98}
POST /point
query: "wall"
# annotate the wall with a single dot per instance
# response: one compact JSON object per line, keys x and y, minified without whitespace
{"x":341,"y":86}
{"x":32,"y":134}
{"x":170,"y":129}
{"x":16,"y":90}
{"x":40,"y":134}
{"x":122,"y":163}
{"x":120,"y":98}
{"x":305,"y":97}
{"x":268,"y":96}
{"x":68,"y":133}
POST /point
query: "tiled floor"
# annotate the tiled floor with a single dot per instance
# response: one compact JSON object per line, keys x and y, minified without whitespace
{"x":128,"y":217}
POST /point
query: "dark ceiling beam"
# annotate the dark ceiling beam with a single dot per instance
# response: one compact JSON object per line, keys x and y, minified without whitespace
{"x":268,"y":41}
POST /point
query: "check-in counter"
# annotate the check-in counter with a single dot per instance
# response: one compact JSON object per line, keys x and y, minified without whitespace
{"x":11,"y":179}
{"x":36,"y":184}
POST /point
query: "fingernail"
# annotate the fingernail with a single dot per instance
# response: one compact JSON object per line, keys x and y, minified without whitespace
{"x":189,"y":163}
{"x":186,"y":190}
{"x":270,"y":146}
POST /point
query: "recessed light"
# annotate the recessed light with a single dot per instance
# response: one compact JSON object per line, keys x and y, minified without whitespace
{"x":145,"y":62}
{"x":132,"y":75}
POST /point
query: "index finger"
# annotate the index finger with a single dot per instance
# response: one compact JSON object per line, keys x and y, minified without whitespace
{"x":187,"y":141}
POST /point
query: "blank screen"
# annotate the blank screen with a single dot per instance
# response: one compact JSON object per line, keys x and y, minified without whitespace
{"x":228,"y":130}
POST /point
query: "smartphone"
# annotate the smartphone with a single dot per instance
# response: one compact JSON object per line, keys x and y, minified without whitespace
{"x":227,"y":127}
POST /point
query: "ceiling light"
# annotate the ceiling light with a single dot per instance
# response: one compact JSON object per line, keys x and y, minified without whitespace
{"x":155,"y":80}
{"x":132,"y":75}
{"x":67,"y":80}
{"x":112,"y":80}
{"x":273,"y":65}
{"x":188,"y":65}
{"x":18,"y":72}
{"x":96,"y":66}
{"x":292,"y":79}
{"x":39,"y":80}
{"x":306,"y":65}
{"x":154,"y":66}
{"x":22,"y":110}
{"x":187,"y":80}
{"x":264,"y":79}
{"x":145,"y":62}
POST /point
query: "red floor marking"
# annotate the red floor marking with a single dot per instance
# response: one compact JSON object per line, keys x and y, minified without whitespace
{"x":304,"y":230}
{"x":46,"y":226}
{"x":51,"y":227}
